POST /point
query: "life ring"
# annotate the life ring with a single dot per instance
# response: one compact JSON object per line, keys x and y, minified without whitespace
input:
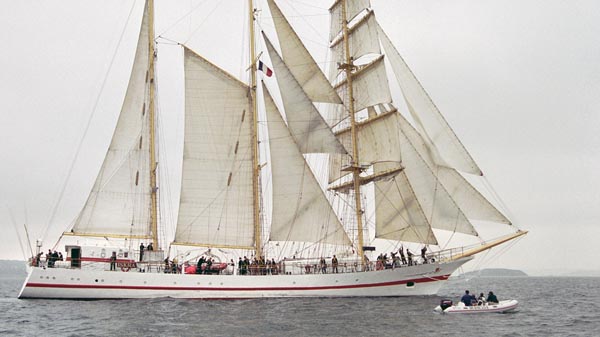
{"x":123,"y":269}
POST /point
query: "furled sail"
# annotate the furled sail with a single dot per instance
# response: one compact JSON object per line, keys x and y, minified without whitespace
{"x":299,"y":61}
{"x":301,"y":211}
{"x":216,"y":206}
{"x":119,"y":203}
{"x":443,"y":142}
{"x":307,"y":126}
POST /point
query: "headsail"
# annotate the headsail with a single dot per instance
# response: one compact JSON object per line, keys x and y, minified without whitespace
{"x":445,"y":146}
{"x":216,"y":206}
{"x":119,"y":203}
{"x":301,"y":211}
{"x":466,"y":197}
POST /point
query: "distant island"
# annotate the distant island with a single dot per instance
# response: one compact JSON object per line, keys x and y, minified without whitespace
{"x":496,"y":272}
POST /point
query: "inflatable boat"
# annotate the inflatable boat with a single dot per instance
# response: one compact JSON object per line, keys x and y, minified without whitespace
{"x":460,"y":308}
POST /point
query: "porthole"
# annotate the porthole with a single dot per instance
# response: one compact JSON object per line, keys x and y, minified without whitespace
{"x":410,"y":284}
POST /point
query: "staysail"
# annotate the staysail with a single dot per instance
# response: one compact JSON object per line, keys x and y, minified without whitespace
{"x":301,"y":211}
{"x":443,"y":142}
{"x":299,"y":61}
{"x":309,"y":129}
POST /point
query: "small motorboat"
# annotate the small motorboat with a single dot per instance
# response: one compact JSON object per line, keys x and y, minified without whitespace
{"x":460,"y":308}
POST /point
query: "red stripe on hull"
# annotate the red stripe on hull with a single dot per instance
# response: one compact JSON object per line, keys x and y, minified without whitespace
{"x":370,"y":285}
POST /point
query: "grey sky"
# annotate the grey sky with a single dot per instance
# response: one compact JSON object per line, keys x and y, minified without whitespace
{"x":519,"y":81}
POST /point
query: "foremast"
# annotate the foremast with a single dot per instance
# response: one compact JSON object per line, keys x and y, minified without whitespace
{"x":348,"y":67}
{"x":151,"y":116}
{"x":254,"y":114}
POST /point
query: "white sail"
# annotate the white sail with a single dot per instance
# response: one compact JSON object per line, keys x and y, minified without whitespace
{"x":216,"y":206}
{"x":307,"y":126}
{"x":119,"y":203}
{"x":441,"y":210}
{"x":353,"y":8}
{"x":300,"y":62}
{"x":398,"y":214}
{"x":468,"y":199}
{"x":370,"y":86}
{"x":301,"y":211}
{"x":363,"y":39}
{"x":449,"y":150}
{"x":377,"y":139}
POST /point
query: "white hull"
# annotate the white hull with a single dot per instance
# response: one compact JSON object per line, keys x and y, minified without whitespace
{"x":503,"y":306}
{"x":62,"y":283}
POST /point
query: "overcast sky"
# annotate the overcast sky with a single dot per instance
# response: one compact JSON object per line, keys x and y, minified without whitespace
{"x":519,"y":81}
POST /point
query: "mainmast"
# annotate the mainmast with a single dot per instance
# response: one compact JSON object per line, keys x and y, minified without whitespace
{"x":348,"y":66}
{"x":255,"y":165}
{"x":151,"y":115}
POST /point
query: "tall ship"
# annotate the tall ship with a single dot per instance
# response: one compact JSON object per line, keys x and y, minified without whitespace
{"x":294,"y":183}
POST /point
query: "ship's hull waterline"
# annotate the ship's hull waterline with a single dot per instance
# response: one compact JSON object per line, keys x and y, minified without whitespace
{"x":60,"y":283}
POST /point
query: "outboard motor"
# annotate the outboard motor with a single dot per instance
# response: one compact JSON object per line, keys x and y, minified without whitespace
{"x":445,"y":304}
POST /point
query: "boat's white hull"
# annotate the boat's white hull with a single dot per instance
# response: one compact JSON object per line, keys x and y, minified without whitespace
{"x":82,"y":284}
{"x":503,"y":306}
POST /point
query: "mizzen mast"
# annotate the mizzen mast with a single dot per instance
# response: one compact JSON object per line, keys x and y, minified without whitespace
{"x":151,"y":116}
{"x":254,"y":114}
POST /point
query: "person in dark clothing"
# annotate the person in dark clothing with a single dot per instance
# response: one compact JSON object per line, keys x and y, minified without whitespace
{"x":410,"y":255}
{"x":142,"y":251}
{"x":113,"y":261}
{"x":492,"y":298}
{"x":334,"y":264}
{"x":150,"y":247}
{"x":199,"y":265}
{"x":54,"y":258}
{"x":467,"y":299}
{"x":402,"y":257}
{"x":423,"y":251}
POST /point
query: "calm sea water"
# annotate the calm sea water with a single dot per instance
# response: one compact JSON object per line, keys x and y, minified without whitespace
{"x":548,"y":307}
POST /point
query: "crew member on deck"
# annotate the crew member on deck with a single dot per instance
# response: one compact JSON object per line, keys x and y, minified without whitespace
{"x":141,"y":251}
{"x":334,"y":264}
{"x":113,"y":261}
